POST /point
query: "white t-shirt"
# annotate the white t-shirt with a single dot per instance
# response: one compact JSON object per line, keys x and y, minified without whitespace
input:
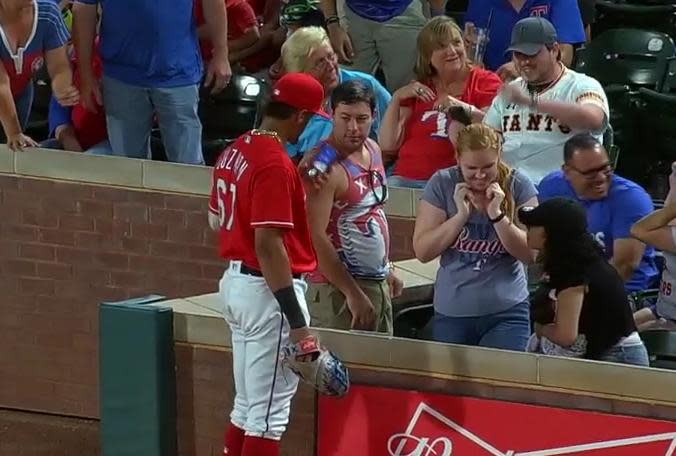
{"x":534,"y":141}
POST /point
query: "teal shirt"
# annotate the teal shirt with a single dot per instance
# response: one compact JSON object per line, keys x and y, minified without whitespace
{"x":320,"y":127}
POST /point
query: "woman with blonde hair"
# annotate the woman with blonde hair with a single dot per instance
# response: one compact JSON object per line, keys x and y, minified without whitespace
{"x":414,"y":130}
{"x":468,"y":216}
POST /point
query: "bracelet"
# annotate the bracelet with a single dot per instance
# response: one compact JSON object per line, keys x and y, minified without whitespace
{"x":288,"y":302}
{"x":497,"y":219}
{"x":332,"y":20}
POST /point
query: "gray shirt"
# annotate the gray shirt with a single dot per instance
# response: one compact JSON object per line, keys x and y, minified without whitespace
{"x":666,"y":301}
{"x":477,"y":276}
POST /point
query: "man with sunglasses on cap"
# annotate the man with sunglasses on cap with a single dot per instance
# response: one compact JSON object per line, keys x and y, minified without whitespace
{"x":354,"y":284}
{"x":613,"y":205}
{"x":539,"y":111}
{"x":257,"y":207}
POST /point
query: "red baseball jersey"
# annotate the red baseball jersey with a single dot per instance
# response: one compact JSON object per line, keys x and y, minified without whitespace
{"x":256,"y":185}
{"x":426,"y":147}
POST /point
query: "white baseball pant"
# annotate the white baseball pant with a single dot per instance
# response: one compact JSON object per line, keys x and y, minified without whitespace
{"x":263,"y":386}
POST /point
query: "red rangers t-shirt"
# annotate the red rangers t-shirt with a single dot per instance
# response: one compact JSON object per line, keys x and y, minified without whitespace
{"x":90,"y":127}
{"x":255,"y":185}
{"x":241,"y":19}
{"x":426,"y":147}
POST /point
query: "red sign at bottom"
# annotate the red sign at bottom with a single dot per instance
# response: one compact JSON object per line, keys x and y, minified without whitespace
{"x":373,"y":421}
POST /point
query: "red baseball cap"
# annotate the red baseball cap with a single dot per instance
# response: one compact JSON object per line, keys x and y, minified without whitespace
{"x":301,"y":91}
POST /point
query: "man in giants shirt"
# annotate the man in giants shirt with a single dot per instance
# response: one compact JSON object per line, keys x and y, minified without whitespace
{"x":538,"y":112}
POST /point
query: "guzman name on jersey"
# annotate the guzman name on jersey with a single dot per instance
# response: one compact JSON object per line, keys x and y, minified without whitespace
{"x":233,"y":160}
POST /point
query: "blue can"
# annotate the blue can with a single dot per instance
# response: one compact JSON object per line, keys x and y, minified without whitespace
{"x":326,"y":157}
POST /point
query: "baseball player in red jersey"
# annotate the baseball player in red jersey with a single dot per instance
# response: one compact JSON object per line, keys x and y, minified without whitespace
{"x":258,"y":208}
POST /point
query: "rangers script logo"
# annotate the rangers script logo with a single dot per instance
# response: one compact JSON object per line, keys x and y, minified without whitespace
{"x":422,"y":438}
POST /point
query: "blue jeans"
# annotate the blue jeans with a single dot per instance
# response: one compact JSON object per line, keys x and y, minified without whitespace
{"x":508,"y":330}
{"x":635,"y":354}
{"x":398,"y":181}
{"x":129,"y":113}
{"x":23,"y":104}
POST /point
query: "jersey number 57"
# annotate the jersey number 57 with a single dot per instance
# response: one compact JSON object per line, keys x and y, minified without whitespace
{"x":225,"y":191}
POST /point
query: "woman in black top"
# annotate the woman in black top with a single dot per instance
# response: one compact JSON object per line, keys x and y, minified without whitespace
{"x":590,"y":295}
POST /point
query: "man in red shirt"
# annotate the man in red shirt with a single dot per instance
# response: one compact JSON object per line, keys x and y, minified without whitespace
{"x":257,"y":207}
{"x":76,"y":128}
{"x":243,"y":36}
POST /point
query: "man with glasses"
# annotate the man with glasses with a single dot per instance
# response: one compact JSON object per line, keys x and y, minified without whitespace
{"x":354,"y":284}
{"x":613,"y":205}
{"x":539,"y":111}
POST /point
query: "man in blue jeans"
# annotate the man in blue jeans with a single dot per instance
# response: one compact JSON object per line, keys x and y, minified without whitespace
{"x":379,"y":33}
{"x":151,"y":66}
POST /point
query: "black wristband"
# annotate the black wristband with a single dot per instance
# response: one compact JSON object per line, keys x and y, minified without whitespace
{"x":286,"y":297}
{"x":331,"y":19}
{"x":498,"y":218}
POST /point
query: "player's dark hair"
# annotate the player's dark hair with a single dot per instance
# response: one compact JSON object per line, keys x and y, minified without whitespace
{"x":580,"y":141}
{"x":353,"y":92}
{"x":280,"y":111}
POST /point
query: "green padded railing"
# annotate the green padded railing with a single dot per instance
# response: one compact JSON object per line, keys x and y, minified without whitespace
{"x":137,"y":380}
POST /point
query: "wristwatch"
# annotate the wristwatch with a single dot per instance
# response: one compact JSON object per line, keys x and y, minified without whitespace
{"x":497,"y":219}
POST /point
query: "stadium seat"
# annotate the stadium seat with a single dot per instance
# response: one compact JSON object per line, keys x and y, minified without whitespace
{"x":234,"y":110}
{"x":627,"y":57}
{"x":656,"y":120}
{"x":640,"y":299}
{"x":623,"y":61}
{"x":228,"y":114}
{"x":211,"y":150}
{"x":412,"y":321}
{"x":661,"y":345}
{"x":668,"y":84}
{"x":654,"y":16}
{"x":38,"y":122}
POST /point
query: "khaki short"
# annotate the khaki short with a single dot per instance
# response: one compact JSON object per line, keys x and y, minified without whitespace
{"x":328,"y":306}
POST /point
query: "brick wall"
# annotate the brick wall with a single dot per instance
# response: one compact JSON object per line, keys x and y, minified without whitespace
{"x":65,"y":247}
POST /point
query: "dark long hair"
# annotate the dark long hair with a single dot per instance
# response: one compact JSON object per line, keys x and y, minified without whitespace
{"x":564,"y":255}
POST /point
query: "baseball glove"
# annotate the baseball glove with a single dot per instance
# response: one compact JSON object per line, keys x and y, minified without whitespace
{"x":316,"y":366}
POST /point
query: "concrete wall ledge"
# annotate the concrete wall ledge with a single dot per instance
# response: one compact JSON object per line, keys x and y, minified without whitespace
{"x":144,"y":174}
{"x":197,"y":320}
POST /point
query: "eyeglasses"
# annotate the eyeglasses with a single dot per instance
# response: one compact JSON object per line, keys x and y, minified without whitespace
{"x":590,"y":174}
{"x":378,"y":186}
{"x":325,"y":63}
